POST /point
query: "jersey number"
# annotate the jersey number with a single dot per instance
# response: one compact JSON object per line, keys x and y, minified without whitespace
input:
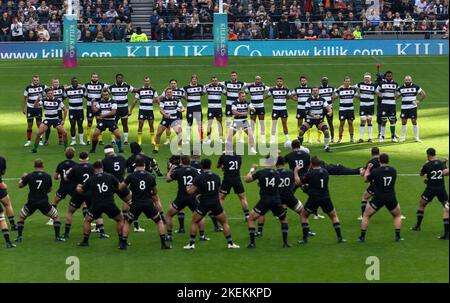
{"x":85,"y":177}
{"x":286,"y":182}
{"x":116,"y":166}
{"x":270,"y":182}
{"x":322,"y":183}
{"x":39,"y":182}
{"x":387,"y":181}
{"x":436,"y":174}
{"x":102,"y":188}
{"x":211,"y":185}
{"x":233,"y":165}
{"x":187,"y":180}
{"x":299,"y":163}
{"x":142,"y":185}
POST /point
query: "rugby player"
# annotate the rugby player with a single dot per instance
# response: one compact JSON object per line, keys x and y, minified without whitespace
{"x":327,"y":92}
{"x":145,"y":196}
{"x":315,"y":183}
{"x":233,"y":87}
{"x":370,"y":191}
{"x":257,"y":91}
{"x":75,"y":94}
{"x":388,"y":90}
{"x":101,"y":187}
{"x":315,"y":106}
{"x":177,"y":94}
{"x":145,"y":96}
{"x":214,"y":91}
{"x":207,"y":185}
{"x":58,"y":93}
{"x":269,"y":181}
{"x":302,"y":93}
{"x":383,"y":180}
{"x":4,"y":196}
{"x":346,"y":93}
{"x":33,"y":92}
{"x":40,"y":185}
{"x":280,"y":94}
{"x":105,"y":111}
{"x":411,"y":95}
{"x":434,"y":170}
{"x":51,"y":106}
{"x":193,"y":95}
{"x":240,"y":109}
{"x":119,"y":95}
{"x":169,"y":108}
{"x":366,"y":95}
{"x":93,"y":93}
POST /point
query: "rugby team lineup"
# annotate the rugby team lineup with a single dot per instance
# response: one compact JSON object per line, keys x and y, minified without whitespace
{"x":92,"y":186}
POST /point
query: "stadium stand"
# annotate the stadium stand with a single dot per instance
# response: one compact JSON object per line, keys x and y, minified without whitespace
{"x":110,"y":20}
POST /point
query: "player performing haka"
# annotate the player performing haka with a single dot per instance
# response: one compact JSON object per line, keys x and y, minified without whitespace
{"x":214,"y":90}
{"x":302,"y":93}
{"x":257,"y":91}
{"x":51,"y":106}
{"x":40,"y":185}
{"x":387,"y":90}
{"x":346,"y":93}
{"x":434,"y":170}
{"x":169,"y":108}
{"x":33,"y":92}
{"x":193,"y":94}
{"x":269,"y":182}
{"x":280,"y":94}
{"x":370,"y":191}
{"x":145,"y":197}
{"x":58,"y":93}
{"x":315,"y":182}
{"x":101,"y":187}
{"x":240,"y":109}
{"x":315,"y":107}
{"x":327,"y":92}
{"x":411,"y":95}
{"x":367,"y":92}
{"x":145,"y":96}
{"x":105,"y":112}
{"x":119,"y":94}
{"x":230,"y":163}
{"x":93,"y":93}
{"x":207,"y":185}
{"x":383,"y":180}
{"x":5,"y":200}
{"x":75,"y":94}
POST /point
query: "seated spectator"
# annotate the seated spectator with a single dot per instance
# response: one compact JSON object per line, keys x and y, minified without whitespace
{"x":128,"y":32}
{"x":107,"y":33}
{"x":242,"y":32}
{"x":111,"y":13}
{"x":99,"y":37}
{"x":324,"y":34}
{"x":43,"y":12}
{"x":42,"y":33}
{"x":348,"y":35}
{"x":255,"y":31}
{"x":410,"y":23}
{"x":30,"y":36}
{"x":54,"y":28}
{"x":139,"y":36}
{"x":357,"y":33}
{"x":104,"y":20}
{"x":397,"y":20}
{"x":420,"y":6}
{"x":5,"y":27}
{"x":87,"y":36}
{"x":118,"y":32}
{"x":328,"y":20}
{"x":301,"y":33}
{"x":269,"y":30}
{"x":310,"y":35}
{"x":154,"y":19}
{"x":335,"y":34}
{"x":16,"y":30}
{"x":161,"y":30}
{"x":231,"y":35}
{"x":176,"y":32}
{"x":284,"y":28}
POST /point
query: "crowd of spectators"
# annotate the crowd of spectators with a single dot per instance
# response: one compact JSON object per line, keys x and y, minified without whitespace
{"x":298,"y":19}
{"x":42,"y":20}
{"x":110,"y":20}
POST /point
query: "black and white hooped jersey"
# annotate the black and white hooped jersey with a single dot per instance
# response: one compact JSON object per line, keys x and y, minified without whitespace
{"x":51,"y":108}
{"x":58,"y":92}
{"x":146,"y":95}
{"x":94,"y":91}
{"x":280,"y":96}
{"x":232,"y":90}
{"x":367,"y":93}
{"x":315,"y":106}
{"x":193,"y":94}
{"x":388,"y":92}
{"x":171,"y":107}
{"x":257,"y":93}
{"x":177,"y":93}
{"x":106,"y":107}
{"x":302,"y":93}
{"x":346,"y":95}
{"x":409,"y":95}
{"x":75,"y":96}
{"x":241,"y":107}
{"x":34,"y":92}
{"x":119,"y":93}
{"x":214,"y":95}
{"x":327,"y":92}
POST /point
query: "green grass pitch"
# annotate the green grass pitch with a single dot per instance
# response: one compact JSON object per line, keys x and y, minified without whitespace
{"x":420,"y":258}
